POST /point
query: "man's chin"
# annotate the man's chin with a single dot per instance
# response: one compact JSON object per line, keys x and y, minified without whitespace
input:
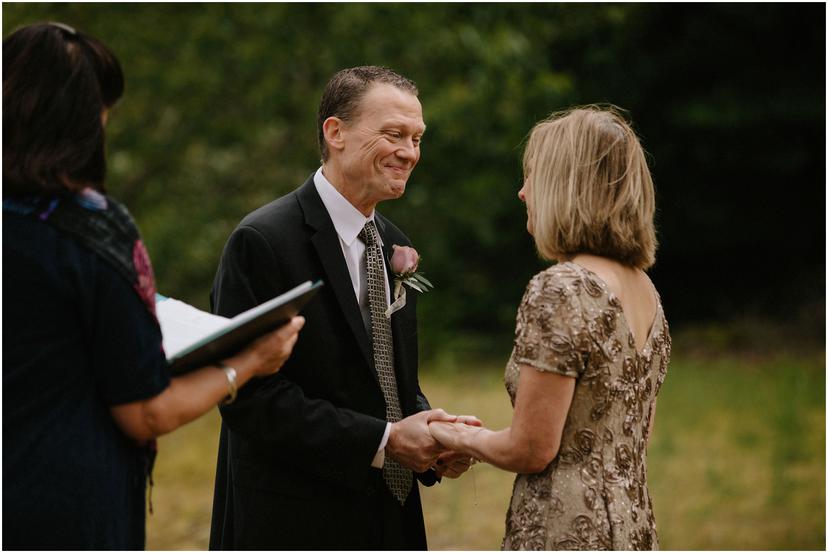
{"x":396,"y":189}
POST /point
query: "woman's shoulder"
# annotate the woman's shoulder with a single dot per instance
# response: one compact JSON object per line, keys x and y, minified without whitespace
{"x":559,"y":272}
{"x":565,"y":279}
{"x":555,"y":285}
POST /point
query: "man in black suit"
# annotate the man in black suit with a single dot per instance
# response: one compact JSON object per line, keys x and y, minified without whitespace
{"x":324,"y":455}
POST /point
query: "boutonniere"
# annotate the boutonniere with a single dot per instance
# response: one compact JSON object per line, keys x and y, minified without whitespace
{"x":404,"y":263}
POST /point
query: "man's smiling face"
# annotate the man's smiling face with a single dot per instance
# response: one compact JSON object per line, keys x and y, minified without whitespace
{"x":382,"y":145}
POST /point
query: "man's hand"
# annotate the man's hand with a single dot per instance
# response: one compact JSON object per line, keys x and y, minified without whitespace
{"x":410,"y":443}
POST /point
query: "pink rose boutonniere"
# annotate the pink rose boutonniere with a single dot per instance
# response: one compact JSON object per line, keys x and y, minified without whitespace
{"x":404,"y":263}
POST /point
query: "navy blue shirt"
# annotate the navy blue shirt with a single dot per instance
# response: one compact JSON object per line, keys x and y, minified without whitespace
{"x":77,"y":339}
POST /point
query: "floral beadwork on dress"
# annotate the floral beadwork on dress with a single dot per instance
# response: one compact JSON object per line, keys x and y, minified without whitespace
{"x":593,"y":495}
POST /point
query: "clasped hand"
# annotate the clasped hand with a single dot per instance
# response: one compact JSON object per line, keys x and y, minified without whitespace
{"x":457,"y":437}
{"x":411,"y":443}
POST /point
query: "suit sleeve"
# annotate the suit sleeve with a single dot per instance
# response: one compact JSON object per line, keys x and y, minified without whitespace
{"x":273,"y":413}
{"x":422,"y":401}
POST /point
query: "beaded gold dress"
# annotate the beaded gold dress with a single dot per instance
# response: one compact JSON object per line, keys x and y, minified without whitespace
{"x":593,"y":495}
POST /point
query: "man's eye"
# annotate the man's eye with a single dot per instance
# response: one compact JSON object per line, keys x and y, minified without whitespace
{"x":393,"y":134}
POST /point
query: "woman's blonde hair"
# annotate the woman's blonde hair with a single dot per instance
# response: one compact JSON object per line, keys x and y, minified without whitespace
{"x":591,"y":188}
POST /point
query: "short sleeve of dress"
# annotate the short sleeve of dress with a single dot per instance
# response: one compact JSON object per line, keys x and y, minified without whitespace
{"x":550,"y":334}
{"x":127,"y":355}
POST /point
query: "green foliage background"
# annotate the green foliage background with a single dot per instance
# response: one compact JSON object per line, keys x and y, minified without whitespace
{"x":219,"y":117}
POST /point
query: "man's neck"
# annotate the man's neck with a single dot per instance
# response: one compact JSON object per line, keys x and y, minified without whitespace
{"x":354,"y":194}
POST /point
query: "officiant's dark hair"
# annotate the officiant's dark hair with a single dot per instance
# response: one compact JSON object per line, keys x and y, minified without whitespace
{"x":344,"y":92}
{"x":57,"y":85}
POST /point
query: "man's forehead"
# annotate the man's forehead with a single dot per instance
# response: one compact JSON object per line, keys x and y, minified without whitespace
{"x":391,"y":103}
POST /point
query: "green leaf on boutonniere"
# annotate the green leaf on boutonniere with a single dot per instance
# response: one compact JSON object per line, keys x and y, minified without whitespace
{"x":423,"y":279}
{"x":412,"y":282}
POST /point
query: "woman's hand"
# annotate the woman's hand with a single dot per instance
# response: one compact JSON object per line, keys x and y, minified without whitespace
{"x":457,"y":437}
{"x":266,"y":355}
{"x":452,"y":463}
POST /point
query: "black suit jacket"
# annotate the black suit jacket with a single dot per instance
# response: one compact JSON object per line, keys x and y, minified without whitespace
{"x":296,"y":448}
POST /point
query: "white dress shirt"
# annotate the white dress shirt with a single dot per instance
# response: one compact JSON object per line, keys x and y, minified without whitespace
{"x":348,"y":222}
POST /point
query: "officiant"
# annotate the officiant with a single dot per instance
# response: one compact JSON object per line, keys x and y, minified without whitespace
{"x":86,"y":387}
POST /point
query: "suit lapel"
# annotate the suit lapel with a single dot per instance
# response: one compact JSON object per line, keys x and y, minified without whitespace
{"x":326,"y":242}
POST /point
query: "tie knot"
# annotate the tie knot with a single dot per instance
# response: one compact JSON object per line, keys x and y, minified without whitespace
{"x":368,"y":234}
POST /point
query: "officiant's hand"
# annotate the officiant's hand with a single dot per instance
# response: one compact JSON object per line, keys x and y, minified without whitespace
{"x":267,"y":354}
{"x":190,"y":395}
{"x":411,"y":444}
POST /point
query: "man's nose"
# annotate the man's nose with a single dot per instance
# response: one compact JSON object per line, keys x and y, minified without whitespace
{"x":408,"y":151}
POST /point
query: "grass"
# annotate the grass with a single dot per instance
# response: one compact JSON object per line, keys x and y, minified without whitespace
{"x":737,"y":460}
{"x":738,"y":457}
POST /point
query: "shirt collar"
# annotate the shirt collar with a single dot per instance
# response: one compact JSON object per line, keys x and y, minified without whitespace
{"x":348,"y":220}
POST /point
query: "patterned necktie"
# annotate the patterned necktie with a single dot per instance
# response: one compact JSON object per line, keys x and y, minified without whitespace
{"x":398,"y":478}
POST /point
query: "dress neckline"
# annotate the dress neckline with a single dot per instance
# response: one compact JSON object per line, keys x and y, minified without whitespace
{"x":617,"y":305}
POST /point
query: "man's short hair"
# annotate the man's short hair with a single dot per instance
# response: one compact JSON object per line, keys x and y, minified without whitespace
{"x":56,"y":84}
{"x":592,"y":191}
{"x":346,"y":89}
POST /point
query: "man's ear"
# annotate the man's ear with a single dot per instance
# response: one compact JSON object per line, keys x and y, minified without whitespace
{"x":332,"y":129}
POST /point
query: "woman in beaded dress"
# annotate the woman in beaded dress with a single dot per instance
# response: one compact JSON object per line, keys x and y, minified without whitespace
{"x":591,"y":345}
